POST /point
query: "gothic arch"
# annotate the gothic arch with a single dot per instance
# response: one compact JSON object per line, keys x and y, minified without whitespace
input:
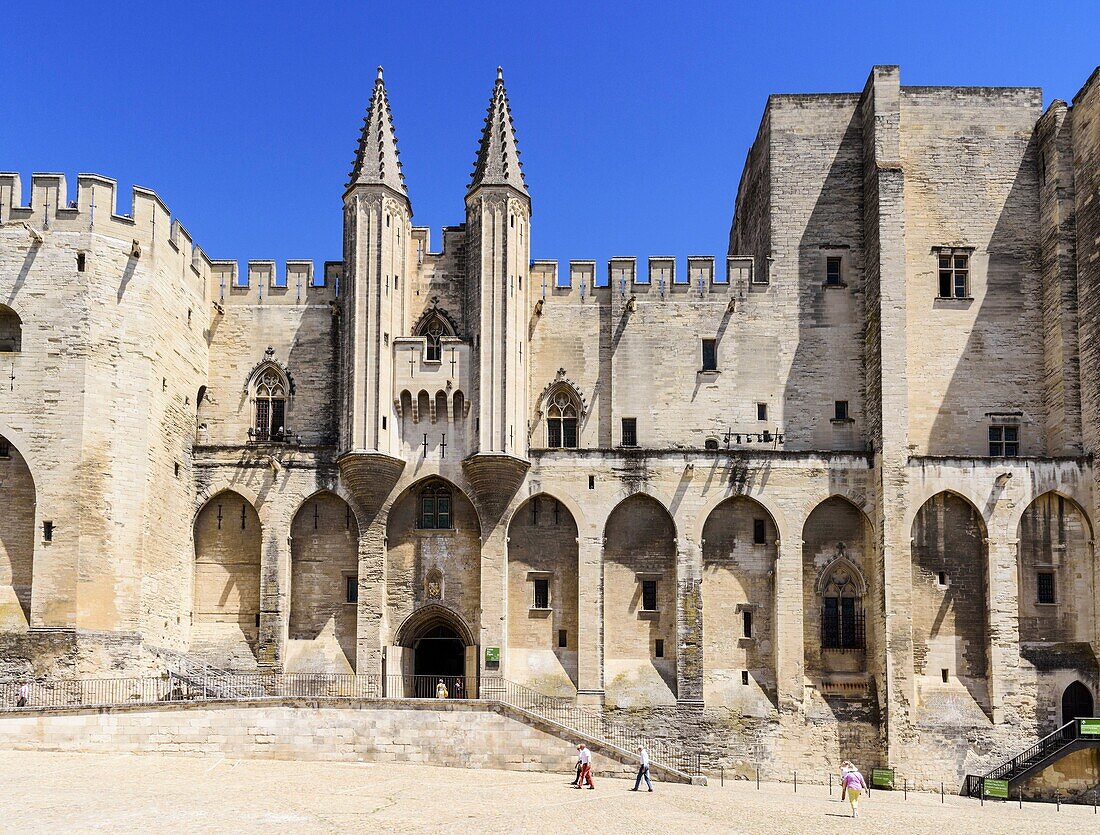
{"x":11,"y":330}
{"x":18,"y":536}
{"x":428,"y":617}
{"x":269,"y":364}
{"x":561,"y":384}
{"x":762,"y":500}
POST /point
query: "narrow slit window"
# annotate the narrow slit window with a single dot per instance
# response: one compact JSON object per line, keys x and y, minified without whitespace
{"x":659,"y":648}
{"x":47,"y":531}
{"x":710,"y":355}
{"x":746,"y":624}
{"x":563,"y":638}
{"x":351,"y":589}
{"x":944,"y":674}
{"x":744,"y":677}
{"x":759,"y":532}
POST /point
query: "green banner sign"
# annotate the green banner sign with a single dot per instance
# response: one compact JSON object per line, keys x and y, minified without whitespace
{"x":882,"y":778}
{"x":996,"y":788}
{"x":492,"y":655}
{"x":1090,"y":727}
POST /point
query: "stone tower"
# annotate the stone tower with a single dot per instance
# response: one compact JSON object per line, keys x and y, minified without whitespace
{"x":377,"y":229}
{"x":498,"y":249}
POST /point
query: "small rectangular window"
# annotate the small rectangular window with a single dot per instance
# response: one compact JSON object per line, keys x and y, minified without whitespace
{"x":542,"y":593}
{"x":1044,"y":582}
{"x":759,"y":532}
{"x":591,"y":482}
{"x":630,"y":432}
{"x":563,"y":638}
{"x":383,"y":423}
{"x":81,"y":262}
{"x":176,"y":468}
{"x":746,"y":624}
{"x":659,"y":648}
{"x":954,"y":274}
{"x":943,"y":675}
{"x":710,"y":354}
{"x":649,"y":595}
{"x":761,"y":411}
{"x":832,"y":271}
{"x":942,"y":578}
{"x":745,"y":677}
{"x":47,"y":531}
{"x":840,"y":410}
{"x":351,"y":589}
{"x":1004,"y":440}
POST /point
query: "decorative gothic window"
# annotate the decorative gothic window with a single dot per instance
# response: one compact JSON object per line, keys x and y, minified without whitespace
{"x":435,"y":507}
{"x":433,"y":328}
{"x":561,"y":421}
{"x":842,"y":619}
{"x":269,"y":391}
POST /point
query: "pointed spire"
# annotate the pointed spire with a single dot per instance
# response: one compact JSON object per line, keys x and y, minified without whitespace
{"x":497,"y":162}
{"x":377,"y":160}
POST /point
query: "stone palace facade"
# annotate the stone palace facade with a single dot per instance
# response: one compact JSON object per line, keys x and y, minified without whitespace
{"x":831,"y":494}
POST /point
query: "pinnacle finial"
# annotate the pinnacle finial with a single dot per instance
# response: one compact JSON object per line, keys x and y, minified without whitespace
{"x":500,"y":73}
{"x":379,"y":72}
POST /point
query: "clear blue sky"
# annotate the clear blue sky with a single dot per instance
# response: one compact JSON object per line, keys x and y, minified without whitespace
{"x":633,"y":118}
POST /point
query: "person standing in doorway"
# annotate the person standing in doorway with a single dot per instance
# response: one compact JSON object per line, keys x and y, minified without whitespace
{"x":441,"y":690}
{"x":852,"y":787}
{"x":22,"y":694}
{"x":643,"y":770}
{"x":586,"y":766}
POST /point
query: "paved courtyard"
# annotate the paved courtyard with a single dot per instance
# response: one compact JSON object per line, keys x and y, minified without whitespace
{"x":54,"y":792}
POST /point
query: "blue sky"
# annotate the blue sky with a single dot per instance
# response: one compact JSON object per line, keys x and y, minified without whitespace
{"x":633,"y":119}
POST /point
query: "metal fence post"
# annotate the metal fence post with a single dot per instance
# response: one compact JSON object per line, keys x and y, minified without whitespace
{"x":758,"y":778}
{"x":796,"y":782}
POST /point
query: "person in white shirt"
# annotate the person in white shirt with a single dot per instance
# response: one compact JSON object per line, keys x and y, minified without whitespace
{"x":643,"y":769}
{"x":585,"y":757}
{"x":23,"y":693}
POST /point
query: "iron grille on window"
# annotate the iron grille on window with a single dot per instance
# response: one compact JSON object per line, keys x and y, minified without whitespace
{"x":1045,"y":585}
{"x":561,"y":422}
{"x":842,"y":623}
{"x":630,"y":432}
{"x":1004,"y":440}
{"x":832,"y":271}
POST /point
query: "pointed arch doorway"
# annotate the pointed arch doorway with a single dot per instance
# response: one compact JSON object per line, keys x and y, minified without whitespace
{"x":433,"y":645}
{"x":1076,"y":702}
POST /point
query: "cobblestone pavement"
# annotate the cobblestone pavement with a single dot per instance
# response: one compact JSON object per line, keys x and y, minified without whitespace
{"x":53,"y":792}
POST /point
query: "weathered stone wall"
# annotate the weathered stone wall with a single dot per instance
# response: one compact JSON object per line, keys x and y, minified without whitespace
{"x":542,"y":543}
{"x":324,"y":554}
{"x":455,"y":734}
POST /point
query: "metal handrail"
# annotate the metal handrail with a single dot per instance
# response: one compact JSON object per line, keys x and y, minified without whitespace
{"x":1040,"y":750}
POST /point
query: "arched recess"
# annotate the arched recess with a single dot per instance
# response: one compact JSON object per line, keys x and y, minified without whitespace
{"x":1054,"y":570}
{"x":226,"y":602}
{"x":542,"y":596}
{"x":740,"y":547}
{"x":839,"y":583}
{"x":11,"y":331}
{"x":949,"y":603}
{"x":432,"y":527}
{"x":17,"y":538}
{"x":640,"y":603}
{"x":324,"y":586}
{"x":1076,"y":702}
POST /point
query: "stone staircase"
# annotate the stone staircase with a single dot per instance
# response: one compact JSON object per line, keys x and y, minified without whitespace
{"x":1075,"y":735}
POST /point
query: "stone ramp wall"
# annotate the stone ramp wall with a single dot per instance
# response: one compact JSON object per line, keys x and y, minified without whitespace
{"x":456,"y":733}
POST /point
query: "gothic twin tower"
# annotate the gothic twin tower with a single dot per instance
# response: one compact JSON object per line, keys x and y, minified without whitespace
{"x":393,"y":286}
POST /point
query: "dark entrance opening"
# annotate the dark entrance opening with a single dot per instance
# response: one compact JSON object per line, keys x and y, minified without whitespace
{"x":1076,"y":702}
{"x":439,"y":655}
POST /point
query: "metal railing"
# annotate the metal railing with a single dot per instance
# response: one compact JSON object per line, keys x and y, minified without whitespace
{"x":1039,"y":751}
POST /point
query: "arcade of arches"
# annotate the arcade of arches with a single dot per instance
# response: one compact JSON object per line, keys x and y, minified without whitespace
{"x":434,"y":566}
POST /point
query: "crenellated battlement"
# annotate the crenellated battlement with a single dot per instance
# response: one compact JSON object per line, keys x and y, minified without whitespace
{"x":151,"y":231}
{"x":698,"y":277}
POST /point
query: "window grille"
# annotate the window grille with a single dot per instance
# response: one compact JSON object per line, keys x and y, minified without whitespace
{"x":561,"y":422}
{"x":1004,"y":440}
{"x":630,"y":432}
{"x":832,"y":271}
{"x":1044,"y":581}
{"x":842,"y":616}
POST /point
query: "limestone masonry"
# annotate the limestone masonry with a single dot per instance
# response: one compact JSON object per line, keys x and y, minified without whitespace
{"x":829,"y":496}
